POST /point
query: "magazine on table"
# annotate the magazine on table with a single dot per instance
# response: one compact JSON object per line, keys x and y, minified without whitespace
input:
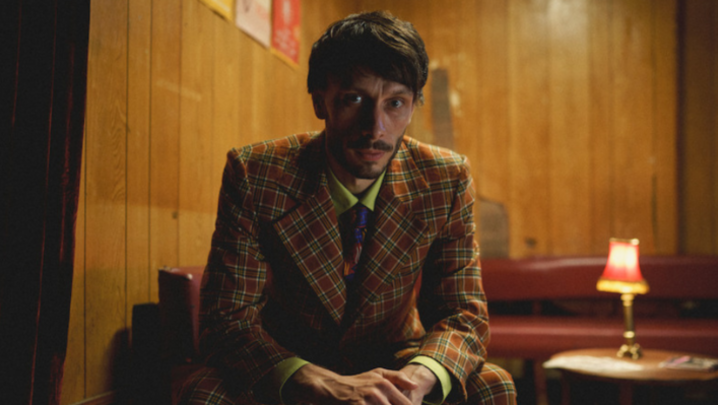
{"x":691,"y":363}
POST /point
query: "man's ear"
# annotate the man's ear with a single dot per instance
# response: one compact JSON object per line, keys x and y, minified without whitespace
{"x":320,"y":110}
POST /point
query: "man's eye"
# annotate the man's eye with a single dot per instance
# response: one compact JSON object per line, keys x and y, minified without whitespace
{"x":396,"y":103}
{"x":352,"y":98}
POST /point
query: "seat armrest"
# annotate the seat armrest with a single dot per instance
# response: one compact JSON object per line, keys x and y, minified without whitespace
{"x":179,"y":313}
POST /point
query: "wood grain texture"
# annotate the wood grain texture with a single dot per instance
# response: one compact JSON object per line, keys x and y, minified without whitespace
{"x":633,"y":96}
{"x":569,"y":153}
{"x":528,"y":204}
{"x":164,"y":134}
{"x":665,"y":198}
{"x":699,"y":228}
{"x":139,"y":272}
{"x":196,"y":206}
{"x":227,"y":101}
{"x":600,"y":126}
{"x":490,"y":90}
{"x":105,"y":226}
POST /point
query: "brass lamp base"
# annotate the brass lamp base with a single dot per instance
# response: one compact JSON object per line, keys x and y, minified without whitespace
{"x":633,"y":351}
{"x":630,"y":348}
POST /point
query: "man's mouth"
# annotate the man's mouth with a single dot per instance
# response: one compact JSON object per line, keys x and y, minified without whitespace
{"x":370,"y":154}
{"x":366,"y":144}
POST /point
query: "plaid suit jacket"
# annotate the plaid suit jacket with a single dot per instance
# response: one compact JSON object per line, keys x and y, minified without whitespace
{"x":273,"y":286}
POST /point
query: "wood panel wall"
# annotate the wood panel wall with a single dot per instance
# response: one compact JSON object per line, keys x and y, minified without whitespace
{"x":171,"y":88}
{"x":567,"y":111}
{"x":698,"y":136}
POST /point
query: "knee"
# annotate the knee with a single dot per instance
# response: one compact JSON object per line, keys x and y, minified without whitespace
{"x":491,"y":386}
{"x":204,"y":387}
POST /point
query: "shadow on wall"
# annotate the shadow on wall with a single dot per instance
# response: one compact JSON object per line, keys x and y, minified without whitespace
{"x":493,"y":229}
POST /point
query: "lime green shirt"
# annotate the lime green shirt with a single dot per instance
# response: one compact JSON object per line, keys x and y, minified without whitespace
{"x":343,"y":200}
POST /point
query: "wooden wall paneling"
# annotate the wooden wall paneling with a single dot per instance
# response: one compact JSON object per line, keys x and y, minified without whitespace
{"x":444,"y":46}
{"x":491,"y":85}
{"x":305,"y":109}
{"x":164,"y":135}
{"x":633,"y":121}
{"x":528,"y":206}
{"x":422,"y":23}
{"x":285,"y":114}
{"x":227,"y":102}
{"x":247,"y":119}
{"x":105,"y":131}
{"x":316,"y":17}
{"x":301,"y":106}
{"x":73,"y":381}
{"x":600,"y":126}
{"x":698,"y":124}
{"x":569,"y":161}
{"x":469,"y":135}
{"x":466,"y":84}
{"x":373,"y":5}
{"x":139,"y":273}
{"x":272,"y":104}
{"x":258,"y":130}
{"x":665,"y":198}
{"x":279,"y":109}
{"x":196,"y":207}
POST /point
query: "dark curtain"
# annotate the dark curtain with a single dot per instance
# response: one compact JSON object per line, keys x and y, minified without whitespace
{"x":43,"y":65}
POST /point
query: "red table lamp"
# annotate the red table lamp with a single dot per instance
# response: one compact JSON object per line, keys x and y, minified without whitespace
{"x":623,"y":275}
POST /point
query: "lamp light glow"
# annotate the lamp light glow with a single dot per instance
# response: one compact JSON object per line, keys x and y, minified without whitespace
{"x":623,"y":275}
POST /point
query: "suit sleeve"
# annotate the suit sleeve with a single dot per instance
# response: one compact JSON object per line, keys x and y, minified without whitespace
{"x":232,"y":296}
{"x":452,"y":301}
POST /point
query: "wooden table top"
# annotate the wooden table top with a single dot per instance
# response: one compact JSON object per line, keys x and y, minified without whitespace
{"x":649,"y":372}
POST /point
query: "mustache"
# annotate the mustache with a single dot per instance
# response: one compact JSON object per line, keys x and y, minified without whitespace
{"x":364,"y":143}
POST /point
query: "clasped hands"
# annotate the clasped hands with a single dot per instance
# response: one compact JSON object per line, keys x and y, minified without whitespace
{"x":312,"y":384}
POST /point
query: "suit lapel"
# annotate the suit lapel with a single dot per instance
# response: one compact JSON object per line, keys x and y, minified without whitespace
{"x":310,"y":232}
{"x":398,"y":229}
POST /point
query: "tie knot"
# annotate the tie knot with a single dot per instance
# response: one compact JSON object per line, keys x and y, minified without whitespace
{"x":359,"y":215}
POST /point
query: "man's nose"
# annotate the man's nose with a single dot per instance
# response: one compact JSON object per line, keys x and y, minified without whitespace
{"x":373,"y":122}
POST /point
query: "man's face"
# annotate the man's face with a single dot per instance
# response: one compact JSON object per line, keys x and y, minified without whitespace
{"x":365,"y":119}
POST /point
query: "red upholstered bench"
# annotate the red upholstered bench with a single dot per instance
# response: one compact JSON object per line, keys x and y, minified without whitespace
{"x":542,"y":306}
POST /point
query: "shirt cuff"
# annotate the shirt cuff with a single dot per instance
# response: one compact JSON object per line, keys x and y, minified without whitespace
{"x":283,"y":371}
{"x":441,"y":374}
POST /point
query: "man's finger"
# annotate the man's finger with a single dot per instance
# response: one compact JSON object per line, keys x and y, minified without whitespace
{"x":401,"y":380}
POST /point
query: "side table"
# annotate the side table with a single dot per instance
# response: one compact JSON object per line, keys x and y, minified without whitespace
{"x":628,"y":373}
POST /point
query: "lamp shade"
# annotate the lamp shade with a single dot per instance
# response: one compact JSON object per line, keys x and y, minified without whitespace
{"x":622,"y":273}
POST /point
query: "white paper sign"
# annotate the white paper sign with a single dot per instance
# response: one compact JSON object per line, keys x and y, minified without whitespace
{"x":254,"y":18}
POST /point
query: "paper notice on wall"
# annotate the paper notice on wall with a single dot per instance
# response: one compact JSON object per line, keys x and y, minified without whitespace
{"x":286,"y":30}
{"x":253,"y":17}
{"x":221,"y":7}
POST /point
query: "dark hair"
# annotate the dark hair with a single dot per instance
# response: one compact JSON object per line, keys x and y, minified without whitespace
{"x":376,"y":41}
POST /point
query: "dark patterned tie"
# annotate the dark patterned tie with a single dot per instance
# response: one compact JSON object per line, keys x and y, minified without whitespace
{"x":355,"y":239}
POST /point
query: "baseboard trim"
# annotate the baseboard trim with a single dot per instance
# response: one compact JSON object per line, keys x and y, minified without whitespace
{"x":108,"y":398}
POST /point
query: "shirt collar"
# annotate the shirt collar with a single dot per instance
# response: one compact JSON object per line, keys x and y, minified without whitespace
{"x":343,"y":199}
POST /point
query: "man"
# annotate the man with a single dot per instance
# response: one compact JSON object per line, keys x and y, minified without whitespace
{"x":343,"y":265}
